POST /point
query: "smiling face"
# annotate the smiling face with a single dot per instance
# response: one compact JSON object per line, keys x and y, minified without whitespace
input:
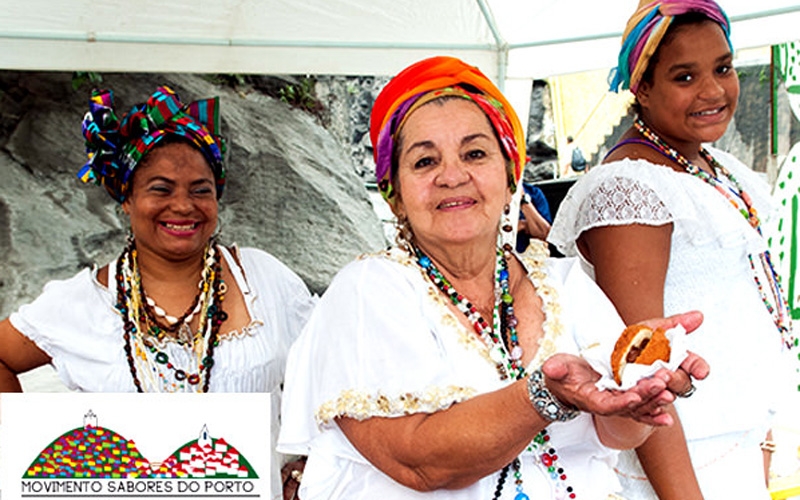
{"x":172,"y":203}
{"x":694,"y":89}
{"x":451,"y":175}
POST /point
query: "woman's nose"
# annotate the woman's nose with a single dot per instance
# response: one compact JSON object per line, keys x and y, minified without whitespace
{"x":181,"y":202}
{"x":453,"y":172}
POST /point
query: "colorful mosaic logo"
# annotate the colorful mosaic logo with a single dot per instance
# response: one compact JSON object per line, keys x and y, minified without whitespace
{"x":95,"y":452}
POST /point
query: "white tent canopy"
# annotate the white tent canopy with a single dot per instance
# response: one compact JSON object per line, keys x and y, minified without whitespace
{"x":507,"y":39}
{"x":512,"y":41}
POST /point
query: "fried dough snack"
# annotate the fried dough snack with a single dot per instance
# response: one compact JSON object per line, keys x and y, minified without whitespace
{"x":641,"y":345}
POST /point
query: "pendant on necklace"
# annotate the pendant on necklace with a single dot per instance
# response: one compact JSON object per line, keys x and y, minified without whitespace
{"x":184,"y":334}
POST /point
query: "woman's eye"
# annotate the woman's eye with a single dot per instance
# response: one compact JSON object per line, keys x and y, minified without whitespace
{"x":724,"y":69}
{"x":203,"y":191}
{"x":423,"y":162}
{"x":476,"y":154}
{"x":159,"y":188}
{"x":683,"y":77}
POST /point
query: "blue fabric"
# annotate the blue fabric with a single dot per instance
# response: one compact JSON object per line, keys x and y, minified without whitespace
{"x":540,"y":204}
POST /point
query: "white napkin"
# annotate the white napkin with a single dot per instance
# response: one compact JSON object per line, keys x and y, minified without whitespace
{"x":599,"y":357}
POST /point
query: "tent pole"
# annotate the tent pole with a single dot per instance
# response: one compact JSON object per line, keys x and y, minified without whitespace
{"x":502,"y":67}
{"x":501,"y":47}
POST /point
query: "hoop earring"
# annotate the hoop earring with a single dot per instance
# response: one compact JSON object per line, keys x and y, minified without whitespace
{"x":218,"y":232}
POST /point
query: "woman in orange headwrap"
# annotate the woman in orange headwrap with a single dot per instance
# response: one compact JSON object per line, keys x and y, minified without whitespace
{"x":447,"y":364}
{"x":668,"y":223}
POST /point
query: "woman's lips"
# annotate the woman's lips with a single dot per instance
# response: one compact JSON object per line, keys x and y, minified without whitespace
{"x":709,"y":112}
{"x":180,"y":228}
{"x":455,"y":203}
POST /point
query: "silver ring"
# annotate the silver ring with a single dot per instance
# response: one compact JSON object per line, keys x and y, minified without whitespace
{"x":688,"y":392}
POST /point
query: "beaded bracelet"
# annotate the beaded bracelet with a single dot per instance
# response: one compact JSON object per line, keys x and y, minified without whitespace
{"x":543,"y":401}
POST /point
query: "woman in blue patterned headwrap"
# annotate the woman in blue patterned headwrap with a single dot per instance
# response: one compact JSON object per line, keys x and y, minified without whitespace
{"x":666,"y":223}
{"x":176,"y":311}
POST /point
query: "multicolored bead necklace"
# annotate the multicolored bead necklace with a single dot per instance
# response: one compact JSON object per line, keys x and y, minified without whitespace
{"x":746,"y":208}
{"x":143,"y":333}
{"x":779,"y":311}
{"x":508,"y":361}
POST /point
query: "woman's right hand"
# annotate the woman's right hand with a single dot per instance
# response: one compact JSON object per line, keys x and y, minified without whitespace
{"x":572,"y":380}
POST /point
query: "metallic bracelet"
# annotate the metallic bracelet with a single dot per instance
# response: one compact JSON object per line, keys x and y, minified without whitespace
{"x":547,"y":405}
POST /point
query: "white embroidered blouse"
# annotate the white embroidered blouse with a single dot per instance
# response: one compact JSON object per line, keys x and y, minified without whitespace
{"x":382,"y":342}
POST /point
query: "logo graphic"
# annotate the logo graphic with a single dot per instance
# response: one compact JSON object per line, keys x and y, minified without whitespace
{"x":96,"y":452}
{"x":137,"y":446}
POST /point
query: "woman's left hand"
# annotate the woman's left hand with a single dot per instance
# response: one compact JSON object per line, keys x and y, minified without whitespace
{"x":291,"y":475}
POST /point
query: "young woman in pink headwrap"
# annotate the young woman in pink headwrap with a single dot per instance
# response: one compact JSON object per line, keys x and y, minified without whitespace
{"x":667,"y":223}
{"x":447,"y":367}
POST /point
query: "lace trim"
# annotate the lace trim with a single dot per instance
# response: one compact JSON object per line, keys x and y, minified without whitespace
{"x":535,"y":260}
{"x":246,"y":331}
{"x":622,"y":200}
{"x":361,"y":405}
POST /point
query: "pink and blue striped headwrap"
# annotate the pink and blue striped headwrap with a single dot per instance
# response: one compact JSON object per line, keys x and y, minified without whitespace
{"x":116,"y":146}
{"x":645,"y":30}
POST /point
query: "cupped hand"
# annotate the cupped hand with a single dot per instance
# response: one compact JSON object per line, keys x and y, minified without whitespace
{"x":572,"y":380}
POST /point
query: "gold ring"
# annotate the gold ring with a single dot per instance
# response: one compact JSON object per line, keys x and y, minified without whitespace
{"x":297,"y":475}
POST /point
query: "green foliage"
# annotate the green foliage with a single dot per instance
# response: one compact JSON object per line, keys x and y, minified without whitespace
{"x":232,"y":80}
{"x":81,"y":77}
{"x":301,"y":95}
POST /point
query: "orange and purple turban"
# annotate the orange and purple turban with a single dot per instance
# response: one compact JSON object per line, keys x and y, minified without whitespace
{"x":645,"y":30}
{"x":115,"y":147}
{"x":430,"y":79}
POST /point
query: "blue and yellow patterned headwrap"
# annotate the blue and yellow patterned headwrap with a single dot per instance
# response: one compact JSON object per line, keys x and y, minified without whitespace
{"x":645,"y":30}
{"x":115,"y":147}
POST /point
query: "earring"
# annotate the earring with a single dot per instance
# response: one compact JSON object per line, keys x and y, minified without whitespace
{"x":404,"y":236}
{"x":218,"y":232}
{"x":506,"y":235}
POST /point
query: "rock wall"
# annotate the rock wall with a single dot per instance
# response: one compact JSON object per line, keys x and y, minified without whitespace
{"x":347,"y":101}
{"x":292,"y":189}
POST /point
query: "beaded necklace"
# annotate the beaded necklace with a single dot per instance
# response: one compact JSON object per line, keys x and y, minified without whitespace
{"x":507,"y":358}
{"x":746,"y":208}
{"x":145,"y":338}
{"x":734,"y":193}
{"x":180,"y":327}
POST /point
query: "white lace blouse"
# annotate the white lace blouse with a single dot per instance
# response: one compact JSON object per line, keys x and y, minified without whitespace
{"x":709,"y":271}
{"x":382,"y":342}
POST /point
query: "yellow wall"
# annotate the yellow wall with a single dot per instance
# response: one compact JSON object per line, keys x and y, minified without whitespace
{"x":584,"y":108}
